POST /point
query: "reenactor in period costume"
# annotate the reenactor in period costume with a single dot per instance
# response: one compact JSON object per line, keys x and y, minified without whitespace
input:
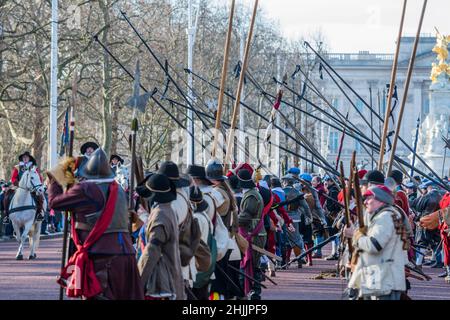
{"x":86,"y":151}
{"x":423,"y":206}
{"x":160,"y":264}
{"x":251,"y":227}
{"x":332,"y":209}
{"x":105,"y":263}
{"x":380,"y":270}
{"x":319,"y":223}
{"x":226,"y":208}
{"x":200,"y":290}
{"x":444,"y":228}
{"x":26,"y":161}
{"x":189,"y":233}
{"x":400,"y":196}
{"x":115,"y":161}
{"x":214,"y":199}
{"x":294,"y":211}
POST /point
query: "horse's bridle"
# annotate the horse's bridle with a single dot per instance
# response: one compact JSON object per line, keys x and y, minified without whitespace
{"x":33,"y":186}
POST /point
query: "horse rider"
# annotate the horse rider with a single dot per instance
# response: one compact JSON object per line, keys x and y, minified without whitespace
{"x":105,"y":256}
{"x":26,"y":162}
{"x":114,"y":161}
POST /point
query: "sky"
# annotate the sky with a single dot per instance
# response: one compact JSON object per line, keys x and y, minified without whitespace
{"x":355,"y":25}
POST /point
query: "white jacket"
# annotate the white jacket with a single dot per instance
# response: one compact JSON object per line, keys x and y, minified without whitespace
{"x":181,"y":206}
{"x":383,"y":247}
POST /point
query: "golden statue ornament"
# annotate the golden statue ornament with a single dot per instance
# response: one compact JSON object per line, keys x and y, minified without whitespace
{"x":441,"y":49}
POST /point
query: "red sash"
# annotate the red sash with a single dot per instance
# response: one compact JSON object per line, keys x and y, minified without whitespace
{"x":79,"y":272}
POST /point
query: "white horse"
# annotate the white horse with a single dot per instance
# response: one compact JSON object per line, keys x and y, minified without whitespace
{"x":23,"y":212}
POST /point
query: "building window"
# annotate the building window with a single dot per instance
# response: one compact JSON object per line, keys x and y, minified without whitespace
{"x":335,"y":103}
{"x":334,"y":142}
{"x":425,"y":106}
{"x":357,"y":146}
{"x":359,"y":105}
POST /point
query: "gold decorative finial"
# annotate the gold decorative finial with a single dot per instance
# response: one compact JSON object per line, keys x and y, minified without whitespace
{"x":442,"y":53}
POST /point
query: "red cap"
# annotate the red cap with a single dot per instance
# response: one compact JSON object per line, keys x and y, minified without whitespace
{"x":362,"y":173}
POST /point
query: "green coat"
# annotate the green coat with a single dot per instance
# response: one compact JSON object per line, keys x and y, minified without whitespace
{"x":251,"y":210}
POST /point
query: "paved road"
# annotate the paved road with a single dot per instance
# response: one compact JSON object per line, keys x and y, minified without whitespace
{"x":36,"y":279}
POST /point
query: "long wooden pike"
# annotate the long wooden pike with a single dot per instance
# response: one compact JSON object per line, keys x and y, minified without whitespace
{"x":391,"y":90}
{"x":406,"y":88}
{"x":346,"y":207}
{"x":267,"y":253}
{"x":230,"y":141}
{"x":359,"y":209}
{"x":223,"y":80}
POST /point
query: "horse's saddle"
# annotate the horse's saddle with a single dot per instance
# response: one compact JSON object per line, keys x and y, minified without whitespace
{"x":38,"y":202}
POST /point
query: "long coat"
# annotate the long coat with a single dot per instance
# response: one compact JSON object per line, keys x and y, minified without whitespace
{"x":160,"y":263}
{"x":381,"y":246}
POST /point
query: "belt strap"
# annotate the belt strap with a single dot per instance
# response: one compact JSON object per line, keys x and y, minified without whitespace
{"x":22,"y":209}
{"x":87,"y":227}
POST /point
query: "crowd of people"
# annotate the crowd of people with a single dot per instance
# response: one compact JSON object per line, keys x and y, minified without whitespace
{"x":204,"y":235}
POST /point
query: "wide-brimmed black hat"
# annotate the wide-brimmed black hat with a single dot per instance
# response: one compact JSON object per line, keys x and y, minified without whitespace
{"x":196,"y":197}
{"x":115,"y":156}
{"x":88,"y":144}
{"x":141,"y":189}
{"x":196,"y":171}
{"x":373,"y":177}
{"x":161,"y":189}
{"x":27,"y":153}
{"x":170,"y":170}
{"x":245,"y":179}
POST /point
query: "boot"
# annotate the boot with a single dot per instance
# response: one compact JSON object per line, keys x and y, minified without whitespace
{"x":446,"y":273}
{"x":437,"y":264}
{"x":288,"y":255}
{"x":297,"y":252}
{"x":447,"y":278}
{"x":309,"y":255}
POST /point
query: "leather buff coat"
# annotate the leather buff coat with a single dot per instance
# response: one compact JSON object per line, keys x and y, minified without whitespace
{"x":383,"y":247}
{"x":159,"y":264}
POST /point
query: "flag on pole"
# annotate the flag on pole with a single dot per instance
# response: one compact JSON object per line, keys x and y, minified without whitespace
{"x":65,"y":134}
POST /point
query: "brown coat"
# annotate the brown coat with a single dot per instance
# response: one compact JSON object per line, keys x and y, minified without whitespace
{"x":160,"y":264}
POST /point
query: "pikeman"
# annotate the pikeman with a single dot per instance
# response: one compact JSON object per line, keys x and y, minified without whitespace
{"x":295,"y":213}
{"x":251,"y":227}
{"x":401,"y":199}
{"x":226,"y":208}
{"x":189,"y":235}
{"x":332,"y":209}
{"x":380,"y":270}
{"x":423,"y":206}
{"x":214,"y":199}
{"x":160,"y":264}
{"x":319,"y":223}
{"x":444,"y":228}
{"x":104,"y":257}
